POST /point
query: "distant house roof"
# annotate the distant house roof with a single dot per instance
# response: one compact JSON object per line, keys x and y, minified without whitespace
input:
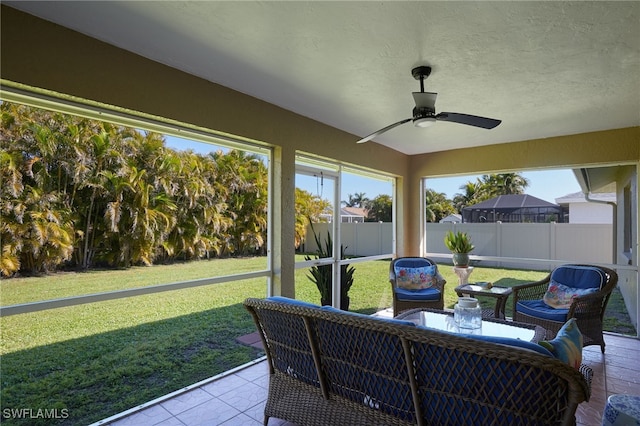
{"x":578,"y":197}
{"x":347,"y":214}
{"x":353,"y":211}
{"x":511,"y":202}
{"x":455,"y":218}
{"x":512,"y":208}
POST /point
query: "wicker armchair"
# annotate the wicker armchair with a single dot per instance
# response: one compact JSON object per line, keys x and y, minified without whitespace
{"x":404,"y":299}
{"x":588,"y":309}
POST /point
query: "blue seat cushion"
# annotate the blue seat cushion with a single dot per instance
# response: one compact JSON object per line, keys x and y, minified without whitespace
{"x":539,"y":309}
{"x":290,"y":301}
{"x":328,"y":308}
{"x":485,"y":384}
{"x":373,"y":374}
{"x":577,"y":276}
{"x":518,"y":343}
{"x":378,"y":318}
{"x":425,"y":294}
{"x":412,"y":262}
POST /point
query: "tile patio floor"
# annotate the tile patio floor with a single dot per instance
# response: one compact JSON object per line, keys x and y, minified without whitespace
{"x":238,"y":397}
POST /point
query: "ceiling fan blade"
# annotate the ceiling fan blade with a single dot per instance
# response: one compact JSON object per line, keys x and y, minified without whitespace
{"x":381,"y":131}
{"x":471,"y":120}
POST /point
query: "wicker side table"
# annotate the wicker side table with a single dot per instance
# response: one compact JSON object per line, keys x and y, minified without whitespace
{"x":501,"y":294}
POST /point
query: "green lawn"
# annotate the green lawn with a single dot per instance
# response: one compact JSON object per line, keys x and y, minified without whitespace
{"x":102,"y":358}
{"x":66,"y":284}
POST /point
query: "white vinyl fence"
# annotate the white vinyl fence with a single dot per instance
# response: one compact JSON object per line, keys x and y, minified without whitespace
{"x":527,"y":242}
{"x":359,"y":239}
{"x":563,"y":242}
{"x":534,"y":246}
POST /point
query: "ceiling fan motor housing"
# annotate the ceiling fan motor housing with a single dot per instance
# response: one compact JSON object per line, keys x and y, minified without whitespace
{"x":425,"y":110}
{"x":423,"y":117}
{"x":420,"y":112}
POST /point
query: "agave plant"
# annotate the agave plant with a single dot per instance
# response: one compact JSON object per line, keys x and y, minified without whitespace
{"x":322,"y":276}
{"x":459,"y":243}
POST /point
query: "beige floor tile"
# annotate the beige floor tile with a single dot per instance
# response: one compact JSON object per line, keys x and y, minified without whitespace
{"x":239,"y":398}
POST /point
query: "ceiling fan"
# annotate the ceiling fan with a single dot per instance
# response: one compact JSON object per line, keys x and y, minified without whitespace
{"x":424,"y":114}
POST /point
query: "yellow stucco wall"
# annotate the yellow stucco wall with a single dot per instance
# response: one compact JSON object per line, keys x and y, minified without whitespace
{"x":607,"y":147}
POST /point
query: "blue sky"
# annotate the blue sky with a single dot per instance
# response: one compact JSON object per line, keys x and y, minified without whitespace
{"x":546,"y":185}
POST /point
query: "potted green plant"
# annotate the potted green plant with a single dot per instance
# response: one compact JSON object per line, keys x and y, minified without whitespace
{"x":459,"y":243}
{"x":323,"y":278}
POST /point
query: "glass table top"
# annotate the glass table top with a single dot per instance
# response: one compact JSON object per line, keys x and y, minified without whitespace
{"x":495,"y":290}
{"x":445,"y":322}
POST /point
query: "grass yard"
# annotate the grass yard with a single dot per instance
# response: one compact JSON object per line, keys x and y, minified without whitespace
{"x":66,"y":284}
{"x":98,"y":359}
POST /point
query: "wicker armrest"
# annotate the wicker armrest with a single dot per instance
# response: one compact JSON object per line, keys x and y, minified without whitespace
{"x":592,"y":304}
{"x":530,"y":291}
{"x":594,"y":298}
{"x":588,"y":305}
{"x":440,"y":282}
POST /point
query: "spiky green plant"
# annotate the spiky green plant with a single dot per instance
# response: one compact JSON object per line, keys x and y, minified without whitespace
{"x":322,"y":276}
{"x":458,"y":242}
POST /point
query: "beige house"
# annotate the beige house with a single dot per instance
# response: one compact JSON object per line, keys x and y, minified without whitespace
{"x":298,"y":83}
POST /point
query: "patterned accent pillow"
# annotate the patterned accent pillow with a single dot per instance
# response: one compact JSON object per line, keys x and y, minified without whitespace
{"x":415,"y":278}
{"x":559,"y":296}
{"x":567,"y":345}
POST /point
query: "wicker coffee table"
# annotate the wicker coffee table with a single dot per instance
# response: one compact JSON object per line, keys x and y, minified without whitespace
{"x":443,"y":320}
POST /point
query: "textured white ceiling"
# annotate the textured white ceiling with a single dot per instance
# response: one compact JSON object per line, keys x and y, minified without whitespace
{"x":544,"y":68}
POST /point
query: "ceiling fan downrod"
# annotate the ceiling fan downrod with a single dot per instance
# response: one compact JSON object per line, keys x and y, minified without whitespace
{"x":420,"y":73}
{"x":424,"y":111}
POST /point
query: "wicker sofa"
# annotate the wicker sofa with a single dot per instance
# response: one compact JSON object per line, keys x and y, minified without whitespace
{"x":330,"y":367}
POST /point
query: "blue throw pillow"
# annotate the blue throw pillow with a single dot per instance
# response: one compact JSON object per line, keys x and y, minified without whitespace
{"x":567,"y":345}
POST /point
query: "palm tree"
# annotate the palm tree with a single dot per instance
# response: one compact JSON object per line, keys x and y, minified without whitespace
{"x":471,"y":195}
{"x":358,"y":200}
{"x":44,"y":232}
{"x":309,"y":209}
{"x":245,"y":177}
{"x":437,"y":206}
{"x":181,"y":177}
{"x":36,"y":228}
{"x":90,"y":186}
{"x":12,"y":188}
{"x":504,"y":184}
{"x":126,"y":198}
